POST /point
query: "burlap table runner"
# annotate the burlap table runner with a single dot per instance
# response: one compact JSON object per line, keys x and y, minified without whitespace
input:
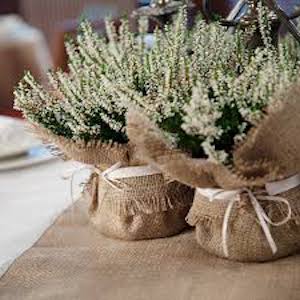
{"x":73,"y":261}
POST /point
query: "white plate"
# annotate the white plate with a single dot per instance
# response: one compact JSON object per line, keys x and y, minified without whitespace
{"x":34,"y":156}
{"x":14,"y":139}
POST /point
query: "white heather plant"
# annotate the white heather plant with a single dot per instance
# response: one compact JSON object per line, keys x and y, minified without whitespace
{"x":202,"y":87}
{"x":220,"y":89}
{"x":226,"y":105}
{"x":160,"y":80}
{"x":81,"y":105}
{"x":109,"y":74}
{"x":77,"y":105}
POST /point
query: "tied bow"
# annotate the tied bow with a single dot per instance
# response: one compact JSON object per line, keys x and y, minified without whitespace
{"x":272,"y":189}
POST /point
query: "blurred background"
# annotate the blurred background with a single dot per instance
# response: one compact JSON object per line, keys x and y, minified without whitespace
{"x":32,"y":33}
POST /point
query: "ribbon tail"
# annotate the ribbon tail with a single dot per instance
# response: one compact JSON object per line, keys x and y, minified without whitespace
{"x":225,"y":227}
{"x":260,"y":214}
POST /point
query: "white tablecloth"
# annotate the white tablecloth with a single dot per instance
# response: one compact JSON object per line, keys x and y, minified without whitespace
{"x":30,"y":201}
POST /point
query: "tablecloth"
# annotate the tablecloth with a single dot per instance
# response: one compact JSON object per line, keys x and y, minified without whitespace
{"x":30,"y":201}
{"x":73,"y":261}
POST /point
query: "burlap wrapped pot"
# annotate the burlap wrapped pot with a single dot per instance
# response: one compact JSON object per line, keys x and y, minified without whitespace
{"x":142,"y":205}
{"x":270,"y":153}
{"x":135,"y":203}
{"x":243,"y":235}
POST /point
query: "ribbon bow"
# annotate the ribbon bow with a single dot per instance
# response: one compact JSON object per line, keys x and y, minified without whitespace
{"x":272,"y":189}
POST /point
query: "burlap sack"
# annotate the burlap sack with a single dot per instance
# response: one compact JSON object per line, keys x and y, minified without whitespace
{"x":270,"y":153}
{"x":142,"y":207}
{"x":139,"y":206}
{"x":246,"y":240}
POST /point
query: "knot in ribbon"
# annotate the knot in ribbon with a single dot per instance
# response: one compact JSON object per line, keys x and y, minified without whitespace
{"x":272,"y":189}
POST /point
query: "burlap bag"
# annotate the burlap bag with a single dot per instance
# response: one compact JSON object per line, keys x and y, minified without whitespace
{"x":270,"y":153}
{"x":141,"y":205}
{"x":133,"y":208}
{"x":245,"y":239}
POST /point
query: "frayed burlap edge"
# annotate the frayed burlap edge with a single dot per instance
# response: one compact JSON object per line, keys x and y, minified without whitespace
{"x":94,"y":152}
{"x":147,"y":205}
{"x":270,"y":152}
{"x":274,"y":144}
{"x":153,"y":147}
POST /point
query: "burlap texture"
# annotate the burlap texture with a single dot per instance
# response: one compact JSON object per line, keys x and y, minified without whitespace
{"x":245,"y":238}
{"x":73,"y":262}
{"x":270,"y":152}
{"x":138,"y":208}
{"x":95,"y":153}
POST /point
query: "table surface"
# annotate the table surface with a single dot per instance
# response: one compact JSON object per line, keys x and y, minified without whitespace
{"x":31,"y":199}
{"x":73,"y":261}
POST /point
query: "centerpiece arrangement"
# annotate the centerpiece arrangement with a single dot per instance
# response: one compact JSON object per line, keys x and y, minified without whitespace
{"x":200,"y":106}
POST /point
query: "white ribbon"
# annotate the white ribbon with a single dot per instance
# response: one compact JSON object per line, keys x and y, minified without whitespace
{"x":116,"y":172}
{"x":278,"y":187}
{"x":71,"y":172}
{"x":272,"y":189}
{"x":111,"y":175}
{"x":106,"y":175}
